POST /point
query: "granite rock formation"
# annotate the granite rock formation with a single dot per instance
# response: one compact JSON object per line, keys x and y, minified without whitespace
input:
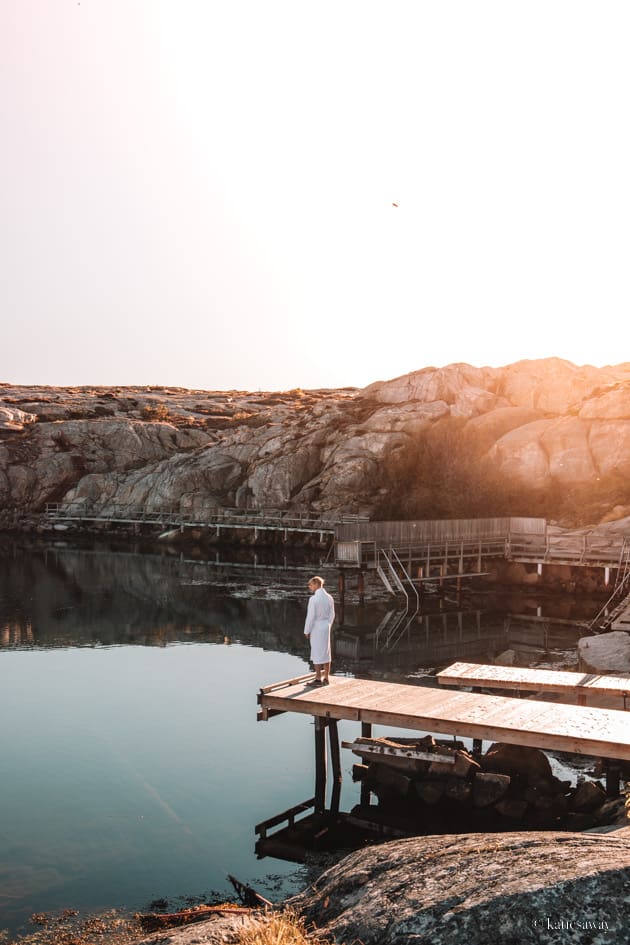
{"x":606,"y":653}
{"x":538,"y":424}
{"x":474,"y":888}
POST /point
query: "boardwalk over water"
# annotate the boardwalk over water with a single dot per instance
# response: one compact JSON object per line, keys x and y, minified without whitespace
{"x":217,"y":519}
{"x":458,"y":545}
{"x":405,"y":555}
{"x":462,"y":545}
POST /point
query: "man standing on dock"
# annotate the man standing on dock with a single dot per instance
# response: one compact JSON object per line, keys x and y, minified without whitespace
{"x":319,"y":619}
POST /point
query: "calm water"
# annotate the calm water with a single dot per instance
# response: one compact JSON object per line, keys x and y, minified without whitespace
{"x":131,"y":763}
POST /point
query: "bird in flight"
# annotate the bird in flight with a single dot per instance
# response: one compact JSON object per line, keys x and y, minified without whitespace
{"x":394,"y":204}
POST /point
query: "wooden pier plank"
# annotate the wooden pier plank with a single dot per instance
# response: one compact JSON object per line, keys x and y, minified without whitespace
{"x":576,"y":729}
{"x":521,"y":678}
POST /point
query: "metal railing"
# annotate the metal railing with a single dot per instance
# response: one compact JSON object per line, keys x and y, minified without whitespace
{"x":392,"y":571}
{"x":619,"y":600}
{"x":213,"y":516}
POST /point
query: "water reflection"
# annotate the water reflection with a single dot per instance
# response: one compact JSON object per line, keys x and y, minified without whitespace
{"x":77,"y":597}
{"x":56,"y":597}
{"x":131,"y":765}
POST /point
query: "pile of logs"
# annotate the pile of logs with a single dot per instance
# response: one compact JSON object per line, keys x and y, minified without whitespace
{"x":424,"y":784}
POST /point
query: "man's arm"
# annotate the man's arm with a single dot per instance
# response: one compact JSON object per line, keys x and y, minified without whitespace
{"x":310,"y":616}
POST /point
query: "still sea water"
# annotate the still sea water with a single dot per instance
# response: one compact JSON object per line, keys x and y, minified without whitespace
{"x":132,"y":767}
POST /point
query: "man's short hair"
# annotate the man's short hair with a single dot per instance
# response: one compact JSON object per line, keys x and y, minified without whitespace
{"x":316,"y":579}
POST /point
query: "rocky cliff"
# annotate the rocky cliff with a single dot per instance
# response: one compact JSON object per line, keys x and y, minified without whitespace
{"x":458,"y":440}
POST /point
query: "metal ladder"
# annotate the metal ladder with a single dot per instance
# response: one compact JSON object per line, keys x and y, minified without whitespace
{"x":388,"y":566}
{"x":619,"y":600}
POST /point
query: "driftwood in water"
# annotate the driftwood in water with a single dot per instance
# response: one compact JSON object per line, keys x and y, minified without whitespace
{"x":250,"y":899}
{"x":153,"y":921}
{"x":248,"y":896}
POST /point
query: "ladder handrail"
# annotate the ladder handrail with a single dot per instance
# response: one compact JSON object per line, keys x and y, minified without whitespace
{"x":391,"y":639}
{"x":392,"y":570}
{"x":622,"y":579}
{"x":409,"y":579}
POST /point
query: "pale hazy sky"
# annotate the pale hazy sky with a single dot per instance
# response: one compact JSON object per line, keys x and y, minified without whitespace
{"x":200,"y":192}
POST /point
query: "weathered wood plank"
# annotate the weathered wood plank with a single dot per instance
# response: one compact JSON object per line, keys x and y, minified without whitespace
{"x":531,"y":680}
{"x":287,"y":682}
{"x":389,"y":751}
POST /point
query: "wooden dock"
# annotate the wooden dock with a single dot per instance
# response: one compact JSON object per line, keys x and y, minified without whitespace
{"x":575,"y":729}
{"x":595,"y":732}
{"x":521,"y":679}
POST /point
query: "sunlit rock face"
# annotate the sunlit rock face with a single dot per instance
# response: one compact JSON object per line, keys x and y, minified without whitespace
{"x":433,"y":384}
{"x":13,"y":419}
{"x":556,"y":386}
{"x":541,"y":424}
{"x":476,"y":888}
{"x":605,"y":653}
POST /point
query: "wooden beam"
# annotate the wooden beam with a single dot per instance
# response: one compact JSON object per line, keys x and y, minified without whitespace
{"x":389,"y":751}
{"x":284,"y":684}
{"x":335,"y":759}
{"x":288,"y":815}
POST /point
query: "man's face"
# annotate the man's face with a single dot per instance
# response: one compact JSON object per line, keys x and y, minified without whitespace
{"x":312,"y":587}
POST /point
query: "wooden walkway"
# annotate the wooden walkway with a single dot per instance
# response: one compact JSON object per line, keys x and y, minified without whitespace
{"x":552,"y":726}
{"x":450,"y":542}
{"x":576,"y":685}
{"x":219,"y":519}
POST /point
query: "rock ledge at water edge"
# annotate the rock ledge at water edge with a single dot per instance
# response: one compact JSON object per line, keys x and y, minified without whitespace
{"x":508,"y":889}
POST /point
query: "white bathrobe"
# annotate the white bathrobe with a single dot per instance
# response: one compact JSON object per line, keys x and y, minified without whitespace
{"x":319,"y":618}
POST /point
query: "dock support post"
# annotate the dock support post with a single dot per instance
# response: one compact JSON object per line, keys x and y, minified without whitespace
{"x":335,"y":758}
{"x":361,"y":588}
{"x":320,"y":765}
{"x":366,"y":732}
{"x":342,"y":597}
{"x":613,"y":776}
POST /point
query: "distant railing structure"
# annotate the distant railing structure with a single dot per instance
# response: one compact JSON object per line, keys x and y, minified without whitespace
{"x":446,"y":542}
{"x":209,"y":517}
{"x":589,"y":550}
{"x":411,"y":555}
